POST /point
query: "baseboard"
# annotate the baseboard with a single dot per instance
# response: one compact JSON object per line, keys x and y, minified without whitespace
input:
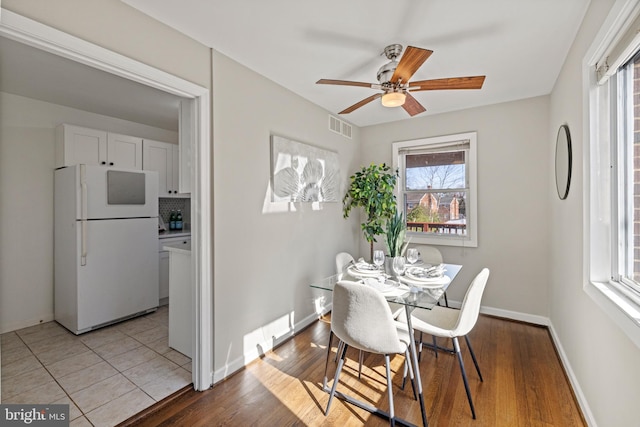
{"x":265,"y":346}
{"x":575,"y":385}
{"x":14,"y":326}
{"x":508,"y":314}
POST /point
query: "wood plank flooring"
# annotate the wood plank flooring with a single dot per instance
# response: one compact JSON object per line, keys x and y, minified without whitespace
{"x":524,"y":385}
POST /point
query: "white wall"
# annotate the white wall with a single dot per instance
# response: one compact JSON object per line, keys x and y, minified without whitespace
{"x":604,"y":362}
{"x":26,"y":200}
{"x":267,"y":254}
{"x":513,"y":202}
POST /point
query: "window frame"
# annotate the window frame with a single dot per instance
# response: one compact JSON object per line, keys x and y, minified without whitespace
{"x":471,"y":159}
{"x":611,"y":48}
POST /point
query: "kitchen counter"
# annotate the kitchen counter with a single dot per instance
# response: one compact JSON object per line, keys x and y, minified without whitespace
{"x":173,"y":233}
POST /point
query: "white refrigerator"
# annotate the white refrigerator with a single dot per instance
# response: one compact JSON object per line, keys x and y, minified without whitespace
{"x":105,"y":245}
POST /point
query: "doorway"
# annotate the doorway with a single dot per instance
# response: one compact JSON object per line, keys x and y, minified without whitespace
{"x":195,"y":116}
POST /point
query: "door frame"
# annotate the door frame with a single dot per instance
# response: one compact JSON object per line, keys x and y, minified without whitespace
{"x":35,"y":34}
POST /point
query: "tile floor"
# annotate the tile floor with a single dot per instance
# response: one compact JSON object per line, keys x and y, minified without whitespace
{"x":105,"y":376}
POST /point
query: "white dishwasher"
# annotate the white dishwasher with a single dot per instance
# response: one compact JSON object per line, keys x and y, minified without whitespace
{"x":163,"y":263}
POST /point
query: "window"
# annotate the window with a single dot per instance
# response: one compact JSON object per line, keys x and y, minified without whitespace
{"x":612,"y":82}
{"x":437,"y":188}
{"x":626,"y":167}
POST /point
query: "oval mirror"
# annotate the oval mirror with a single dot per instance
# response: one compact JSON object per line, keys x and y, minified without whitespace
{"x":563,"y":161}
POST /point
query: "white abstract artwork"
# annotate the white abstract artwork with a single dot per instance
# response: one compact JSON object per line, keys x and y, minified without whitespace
{"x":303,"y":173}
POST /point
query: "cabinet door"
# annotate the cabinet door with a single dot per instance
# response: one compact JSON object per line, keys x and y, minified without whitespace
{"x":124,"y":152}
{"x":75,"y":145}
{"x":158,"y":156}
{"x":176,"y":168}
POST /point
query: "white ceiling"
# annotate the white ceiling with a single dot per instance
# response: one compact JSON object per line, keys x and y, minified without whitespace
{"x":37,"y":74}
{"x":520,"y":45}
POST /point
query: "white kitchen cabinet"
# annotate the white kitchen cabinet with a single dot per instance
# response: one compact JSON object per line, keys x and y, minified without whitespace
{"x":163,"y":264}
{"x":78,"y":145}
{"x":163,"y":158}
{"x":180,"y":298}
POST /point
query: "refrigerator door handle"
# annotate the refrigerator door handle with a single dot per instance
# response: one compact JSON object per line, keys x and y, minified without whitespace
{"x":83,"y":195}
{"x":83,"y":242}
{"x":83,"y":215}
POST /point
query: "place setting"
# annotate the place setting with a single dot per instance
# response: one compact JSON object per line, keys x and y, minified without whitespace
{"x":373,"y":275}
{"x":420,"y":274}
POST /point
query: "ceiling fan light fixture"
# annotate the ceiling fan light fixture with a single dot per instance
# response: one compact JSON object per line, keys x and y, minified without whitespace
{"x":393,"y":99}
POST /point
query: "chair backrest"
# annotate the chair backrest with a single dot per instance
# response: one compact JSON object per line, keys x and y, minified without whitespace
{"x":343,"y":259}
{"x":470,"y":308}
{"x":362,"y":319}
{"x":430,"y":254}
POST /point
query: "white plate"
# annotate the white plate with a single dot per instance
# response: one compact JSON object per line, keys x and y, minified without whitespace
{"x":423,"y":273}
{"x":434,"y":282}
{"x":355,"y":272}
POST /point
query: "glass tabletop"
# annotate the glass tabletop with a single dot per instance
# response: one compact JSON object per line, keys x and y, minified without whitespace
{"x":405,"y":292}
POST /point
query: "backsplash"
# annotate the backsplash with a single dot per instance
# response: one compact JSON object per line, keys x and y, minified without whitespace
{"x":166,"y":205}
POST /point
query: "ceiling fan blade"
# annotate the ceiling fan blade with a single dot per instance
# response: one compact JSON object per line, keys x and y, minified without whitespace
{"x":412,"y":59}
{"x":412,"y":106}
{"x":360,"y":104}
{"x":474,"y":82}
{"x":344,"y":83}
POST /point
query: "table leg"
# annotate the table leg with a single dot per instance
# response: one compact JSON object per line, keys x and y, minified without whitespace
{"x":414,"y":357}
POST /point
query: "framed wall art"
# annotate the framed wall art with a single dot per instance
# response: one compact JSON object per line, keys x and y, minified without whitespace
{"x":303,"y":173}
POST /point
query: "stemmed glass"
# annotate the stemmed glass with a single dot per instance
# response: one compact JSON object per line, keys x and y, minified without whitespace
{"x":399,"y":265}
{"x":378,"y":258}
{"x":412,"y":255}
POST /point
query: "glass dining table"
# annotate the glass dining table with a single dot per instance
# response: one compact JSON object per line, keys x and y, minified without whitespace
{"x":411,"y":294}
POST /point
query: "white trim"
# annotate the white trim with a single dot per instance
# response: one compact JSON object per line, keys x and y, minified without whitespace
{"x":266,"y":345}
{"x":32,"y":33}
{"x":597,"y":216}
{"x":575,"y":384}
{"x":471,"y":239}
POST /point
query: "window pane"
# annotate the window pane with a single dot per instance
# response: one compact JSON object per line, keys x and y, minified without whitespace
{"x":435,"y":170}
{"x":437,"y":212}
{"x":635,"y":160}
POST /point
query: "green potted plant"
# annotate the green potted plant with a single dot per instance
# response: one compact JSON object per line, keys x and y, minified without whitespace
{"x":372,"y":188}
{"x":395,"y":234}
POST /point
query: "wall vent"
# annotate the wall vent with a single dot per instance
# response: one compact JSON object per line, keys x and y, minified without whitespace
{"x":338,"y":126}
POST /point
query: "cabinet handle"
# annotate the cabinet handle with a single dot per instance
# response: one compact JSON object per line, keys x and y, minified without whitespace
{"x":110,"y":163}
{"x":103,"y":163}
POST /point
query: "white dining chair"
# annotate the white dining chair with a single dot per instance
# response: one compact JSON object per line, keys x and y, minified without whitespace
{"x":343,"y":260}
{"x":362,"y":319}
{"x":451,"y":323}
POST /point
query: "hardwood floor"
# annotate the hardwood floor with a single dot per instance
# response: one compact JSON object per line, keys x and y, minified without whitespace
{"x":524,"y":385}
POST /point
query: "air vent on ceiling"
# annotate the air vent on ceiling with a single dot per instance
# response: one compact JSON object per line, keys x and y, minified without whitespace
{"x":338,"y":126}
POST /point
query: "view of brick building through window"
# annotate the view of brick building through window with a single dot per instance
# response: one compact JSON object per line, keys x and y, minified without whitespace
{"x":436,"y":197}
{"x":636,"y":170}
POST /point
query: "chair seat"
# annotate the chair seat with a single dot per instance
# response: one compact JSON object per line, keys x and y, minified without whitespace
{"x":439,"y":321}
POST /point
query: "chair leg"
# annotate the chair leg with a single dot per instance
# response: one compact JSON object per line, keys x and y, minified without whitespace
{"x":338,"y":350}
{"x":360,"y":360}
{"x":473,"y":356}
{"x":456,"y":346}
{"x":326,"y":365}
{"x":409,"y":367}
{"x":392,"y":417}
{"x":446,"y":301}
{"x":435,"y":345}
{"x":336,"y":377}
{"x":420,"y":348}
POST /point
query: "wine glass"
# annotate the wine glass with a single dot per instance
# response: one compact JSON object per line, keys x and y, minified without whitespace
{"x":378,"y":258}
{"x":399,"y":265}
{"x":412,"y":255}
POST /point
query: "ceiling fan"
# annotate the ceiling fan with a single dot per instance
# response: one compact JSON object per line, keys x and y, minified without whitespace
{"x":394,"y":83}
